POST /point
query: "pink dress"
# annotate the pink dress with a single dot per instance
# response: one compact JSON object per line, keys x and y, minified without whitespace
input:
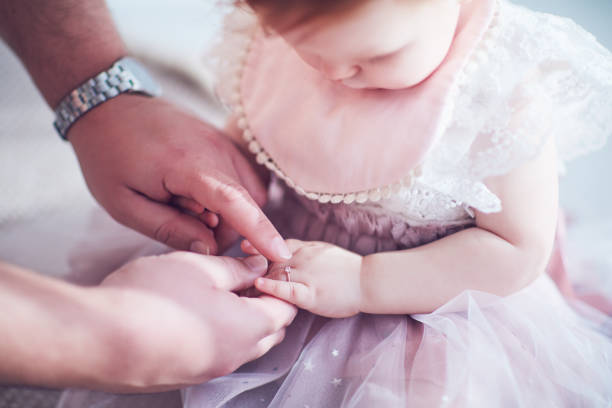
{"x":376,"y":171}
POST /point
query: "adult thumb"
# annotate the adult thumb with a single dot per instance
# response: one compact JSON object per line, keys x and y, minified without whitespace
{"x":238,"y":273}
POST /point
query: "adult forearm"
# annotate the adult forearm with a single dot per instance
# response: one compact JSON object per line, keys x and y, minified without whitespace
{"x":421,"y":279}
{"x":61,"y":42}
{"x":53,"y":333}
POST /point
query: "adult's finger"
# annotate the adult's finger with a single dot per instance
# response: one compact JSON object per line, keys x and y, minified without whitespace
{"x":234,"y":274}
{"x":192,"y":207}
{"x":210,"y":218}
{"x":226,"y":236}
{"x":250,"y":179}
{"x":219,"y":193}
{"x":248,"y":248}
{"x":271,"y":314}
{"x":165,"y":224}
{"x":264,"y":345}
{"x":187,"y":204}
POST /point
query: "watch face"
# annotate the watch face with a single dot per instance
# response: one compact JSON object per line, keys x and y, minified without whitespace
{"x":144,"y":82}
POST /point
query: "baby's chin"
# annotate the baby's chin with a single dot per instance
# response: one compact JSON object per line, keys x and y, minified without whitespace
{"x":403,"y":83}
{"x":373,"y":87}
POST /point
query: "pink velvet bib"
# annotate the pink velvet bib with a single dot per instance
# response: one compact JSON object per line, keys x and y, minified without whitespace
{"x":330,"y":139}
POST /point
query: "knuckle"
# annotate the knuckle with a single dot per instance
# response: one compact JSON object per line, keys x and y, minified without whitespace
{"x":230,"y":192}
{"x":261,"y":349}
{"x":219,"y":369}
{"x":268,"y":324}
{"x":283,"y":332}
{"x":261,"y":223}
{"x":120,"y":208}
{"x":280,"y":337}
{"x":165,"y":231}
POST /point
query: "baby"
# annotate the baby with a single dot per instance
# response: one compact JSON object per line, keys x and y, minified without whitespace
{"x":373,"y":48}
{"x":415,"y":147}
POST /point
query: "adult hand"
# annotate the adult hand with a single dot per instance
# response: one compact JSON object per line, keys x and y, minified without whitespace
{"x":184,"y":323}
{"x":141,"y":156}
{"x":156,"y":323}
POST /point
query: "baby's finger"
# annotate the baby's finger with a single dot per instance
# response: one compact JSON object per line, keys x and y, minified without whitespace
{"x":210,"y":219}
{"x":292,"y":292}
{"x":286,"y":273}
{"x":294,"y":244}
{"x":248,"y":248}
{"x":187,"y":204}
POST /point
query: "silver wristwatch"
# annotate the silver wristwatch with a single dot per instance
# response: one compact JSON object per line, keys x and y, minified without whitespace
{"x":126,"y":75}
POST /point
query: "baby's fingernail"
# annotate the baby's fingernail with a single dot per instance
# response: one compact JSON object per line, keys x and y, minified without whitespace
{"x":281,"y":248}
{"x":257,"y":264}
{"x":199,"y":247}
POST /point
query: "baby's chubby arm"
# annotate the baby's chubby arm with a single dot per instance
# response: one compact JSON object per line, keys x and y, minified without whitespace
{"x":504,"y":253}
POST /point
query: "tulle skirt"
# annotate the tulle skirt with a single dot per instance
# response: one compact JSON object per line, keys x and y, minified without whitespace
{"x":526,"y":350}
{"x":533,"y":348}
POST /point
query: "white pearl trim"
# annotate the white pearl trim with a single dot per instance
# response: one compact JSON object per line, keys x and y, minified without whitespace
{"x":478,"y":56}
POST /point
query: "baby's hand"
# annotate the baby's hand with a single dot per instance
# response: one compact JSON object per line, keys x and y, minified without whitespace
{"x":320,"y":277}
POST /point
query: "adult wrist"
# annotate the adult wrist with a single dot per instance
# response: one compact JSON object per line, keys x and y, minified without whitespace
{"x":106,"y":349}
{"x":52,"y":336}
{"x":116,"y":339}
{"x":61,"y":43}
{"x":126,"y":75}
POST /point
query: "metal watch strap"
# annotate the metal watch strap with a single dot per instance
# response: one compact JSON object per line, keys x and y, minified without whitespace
{"x":119,"y":78}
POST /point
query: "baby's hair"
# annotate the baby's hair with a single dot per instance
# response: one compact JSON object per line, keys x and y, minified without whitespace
{"x":283,"y":15}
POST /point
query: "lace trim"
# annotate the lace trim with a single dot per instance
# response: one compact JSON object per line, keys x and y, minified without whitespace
{"x":529,"y":91}
{"x":477,"y":57}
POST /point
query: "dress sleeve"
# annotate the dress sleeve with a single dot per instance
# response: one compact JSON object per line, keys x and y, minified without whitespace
{"x":541,"y":76}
